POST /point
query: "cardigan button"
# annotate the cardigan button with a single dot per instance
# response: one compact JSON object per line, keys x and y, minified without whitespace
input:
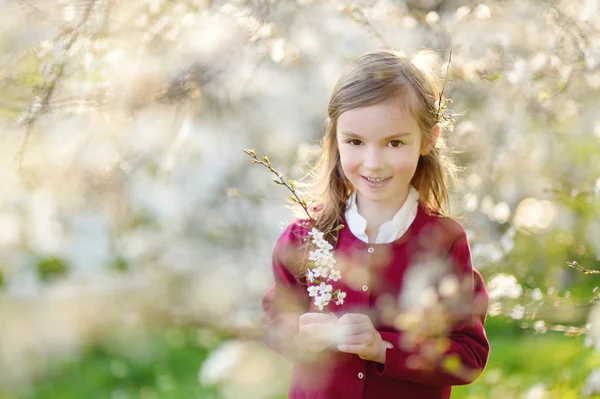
{"x":371,"y":250}
{"x":361,"y":376}
{"x":365,"y":288}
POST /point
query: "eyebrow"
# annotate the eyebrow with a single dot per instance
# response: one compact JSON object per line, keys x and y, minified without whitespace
{"x":393,"y":136}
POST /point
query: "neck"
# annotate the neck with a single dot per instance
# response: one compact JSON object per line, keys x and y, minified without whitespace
{"x":376,"y":213}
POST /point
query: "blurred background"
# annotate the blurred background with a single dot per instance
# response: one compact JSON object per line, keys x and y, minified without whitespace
{"x":136,"y":237}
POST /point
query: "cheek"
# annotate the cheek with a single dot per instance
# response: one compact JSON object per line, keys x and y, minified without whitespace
{"x":406,"y":162}
{"x":349,"y":160}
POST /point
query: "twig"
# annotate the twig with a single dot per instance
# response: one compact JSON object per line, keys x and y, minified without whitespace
{"x":281,"y":181}
{"x":580,"y":268}
{"x":29,"y":121}
{"x":568,"y":330}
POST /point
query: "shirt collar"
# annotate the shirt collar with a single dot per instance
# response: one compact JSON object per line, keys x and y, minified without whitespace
{"x":388,"y":231}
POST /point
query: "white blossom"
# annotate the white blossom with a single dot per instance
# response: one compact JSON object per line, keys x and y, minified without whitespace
{"x":540,"y":326}
{"x":335,"y":275}
{"x":517,"y":312}
{"x":320,"y":272}
{"x":325,"y":288}
{"x":317,"y":235}
{"x":322,"y":300}
{"x":537,"y":391}
{"x":340,"y":298}
{"x":316,"y":255}
{"x":310,"y":276}
{"x":503,"y":285}
{"x":323,"y":272}
{"x":592,"y":384}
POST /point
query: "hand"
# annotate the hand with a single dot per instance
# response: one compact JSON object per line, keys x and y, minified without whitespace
{"x":356,"y":334}
{"x":316,"y":330}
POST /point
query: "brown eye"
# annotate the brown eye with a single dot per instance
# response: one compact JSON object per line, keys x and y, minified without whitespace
{"x":395,"y":143}
{"x":355,"y":142}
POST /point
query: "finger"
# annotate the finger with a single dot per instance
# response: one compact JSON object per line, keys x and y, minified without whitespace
{"x":351,"y":348}
{"x":353,"y":318}
{"x":353,"y":329}
{"x":359,"y":339}
{"x":316,"y":333}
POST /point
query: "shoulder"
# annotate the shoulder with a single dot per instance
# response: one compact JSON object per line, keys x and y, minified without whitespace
{"x":446,"y":228}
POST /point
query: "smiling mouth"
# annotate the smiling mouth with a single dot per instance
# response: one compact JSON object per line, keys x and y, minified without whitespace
{"x":376,"y":179}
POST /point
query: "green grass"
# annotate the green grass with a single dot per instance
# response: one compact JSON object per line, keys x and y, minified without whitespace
{"x":160,"y":365}
{"x":165,"y":365}
{"x":519,"y":361}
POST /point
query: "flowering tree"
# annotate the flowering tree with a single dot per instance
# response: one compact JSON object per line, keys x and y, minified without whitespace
{"x":126,"y":199}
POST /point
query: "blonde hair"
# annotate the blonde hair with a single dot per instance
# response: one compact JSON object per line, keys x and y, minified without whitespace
{"x":373,"y":78}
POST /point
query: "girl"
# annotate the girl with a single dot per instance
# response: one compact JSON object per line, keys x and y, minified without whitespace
{"x":412,"y":322}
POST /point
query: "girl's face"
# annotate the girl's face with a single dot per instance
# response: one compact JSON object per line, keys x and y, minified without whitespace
{"x":379,"y":150}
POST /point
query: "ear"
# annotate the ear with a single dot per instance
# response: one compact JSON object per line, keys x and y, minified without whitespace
{"x":428,"y":145}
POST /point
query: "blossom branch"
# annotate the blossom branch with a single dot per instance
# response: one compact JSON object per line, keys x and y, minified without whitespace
{"x":281,"y":181}
{"x":40,"y":106}
{"x":580,"y":268}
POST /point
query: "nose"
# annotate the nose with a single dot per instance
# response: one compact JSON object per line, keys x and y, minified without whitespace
{"x":373,"y":158}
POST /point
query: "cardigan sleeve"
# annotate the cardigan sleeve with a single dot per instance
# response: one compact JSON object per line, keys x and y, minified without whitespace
{"x":467,"y":347}
{"x":287,"y":298}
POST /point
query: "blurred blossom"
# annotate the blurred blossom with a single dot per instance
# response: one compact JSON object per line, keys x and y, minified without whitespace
{"x":462,"y":12}
{"x":10,"y":229}
{"x":504,"y":286}
{"x":489,"y":251}
{"x":537,"y":294}
{"x":495,"y":309}
{"x":221,"y":361}
{"x":244,"y":369}
{"x":593,"y":235}
{"x":517,"y":312}
{"x":590,"y":8}
{"x":482,"y":11}
{"x":418,"y":291}
{"x":592,"y":384}
{"x":507,"y":241}
{"x":278,"y":50}
{"x":432,"y":17}
{"x":517,"y":74}
{"x":487,"y":205}
{"x":448,"y":286}
{"x":593,"y":327}
{"x":597,"y":188}
{"x":538,"y":62}
{"x":474,"y":180}
{"x":537,"y":391}
{"x":69,"y":13}
{"x":540,"y":326}
{"x":471,"y":202}
{"x":532,"y":212}
{"x":500,"y":212}
{"x":409,"y":22}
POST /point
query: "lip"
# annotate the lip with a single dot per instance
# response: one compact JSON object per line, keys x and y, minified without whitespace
{"x":376,"y":185}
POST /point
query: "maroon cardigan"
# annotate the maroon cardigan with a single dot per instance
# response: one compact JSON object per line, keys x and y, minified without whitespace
{"x":372,"y":276}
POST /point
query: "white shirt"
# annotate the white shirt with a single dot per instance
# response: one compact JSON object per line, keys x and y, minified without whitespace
{"x":390,"y":230}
